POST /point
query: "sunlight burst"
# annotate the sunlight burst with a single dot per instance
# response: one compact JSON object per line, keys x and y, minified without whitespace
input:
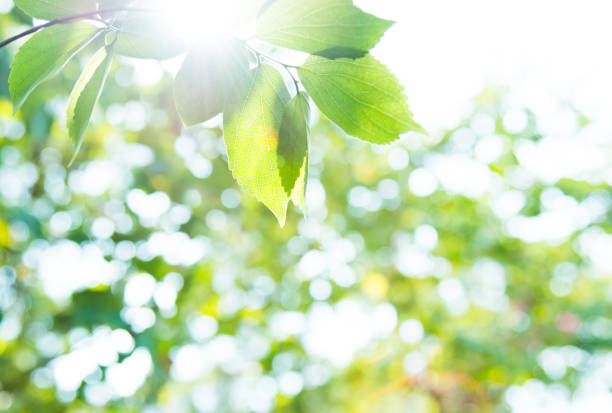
{"x":201,"y":19}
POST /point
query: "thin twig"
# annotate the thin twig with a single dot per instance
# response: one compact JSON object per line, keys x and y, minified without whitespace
{"x":68,"y":19}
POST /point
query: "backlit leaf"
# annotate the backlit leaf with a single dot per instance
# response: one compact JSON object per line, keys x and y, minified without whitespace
{"x":54,"y":9}
{"x":44,"y":55}
{"x":85,"y":95}
{"x":206,"y":77}
{"x":361,"y":96}
{"x":298,"y":195}
{"x":251,"y":130}
{"x":332,"y":28}
{"x":293,"y":142}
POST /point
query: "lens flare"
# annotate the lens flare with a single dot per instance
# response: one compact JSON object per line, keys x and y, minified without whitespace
{"x":203,"y":19}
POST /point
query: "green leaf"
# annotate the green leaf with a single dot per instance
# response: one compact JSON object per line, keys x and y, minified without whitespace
{"x":55,"y":9}
{"x":298,"y":196}
{"x":293,"y":142}
{"x":251,"y":129}
{"x":85,"y":95}
{"x":361,"y":96}
{"x":44,"y":55}
{"x":333,"y":28}
{"x":206,"y":77}
{"x":147,"y":37}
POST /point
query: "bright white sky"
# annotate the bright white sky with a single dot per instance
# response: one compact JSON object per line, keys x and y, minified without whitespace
{"x":446,"y":51}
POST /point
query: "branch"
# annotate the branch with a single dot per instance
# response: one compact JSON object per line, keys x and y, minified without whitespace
{"x":68,"y":19}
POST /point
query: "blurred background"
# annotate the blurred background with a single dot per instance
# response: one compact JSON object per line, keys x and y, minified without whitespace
{"x":465,"y":271}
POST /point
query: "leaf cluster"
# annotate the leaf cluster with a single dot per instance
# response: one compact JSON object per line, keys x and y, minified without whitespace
{"x":266,"y":123}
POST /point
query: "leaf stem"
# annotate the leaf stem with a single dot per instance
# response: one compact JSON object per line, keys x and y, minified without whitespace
{"x":277,"y":61}
{"x":68,"y":19}
{"x":261,"y":55}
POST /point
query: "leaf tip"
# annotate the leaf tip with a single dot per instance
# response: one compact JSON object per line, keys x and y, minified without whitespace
{"x":419,"y":129}
{"x":281,"y":218}
{"x":78,"y":143}
{"x":17,"y":101}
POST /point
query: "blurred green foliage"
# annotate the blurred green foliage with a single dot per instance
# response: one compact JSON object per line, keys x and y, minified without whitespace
{"x":142,"y":280}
